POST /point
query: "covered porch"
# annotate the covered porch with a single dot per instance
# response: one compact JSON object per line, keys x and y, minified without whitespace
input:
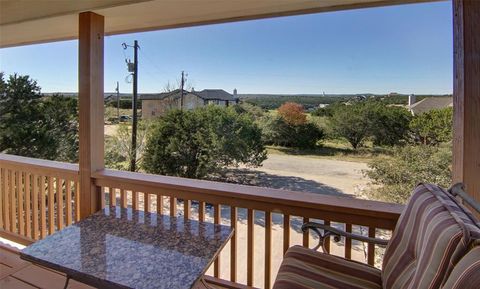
{"x":40,"y":197}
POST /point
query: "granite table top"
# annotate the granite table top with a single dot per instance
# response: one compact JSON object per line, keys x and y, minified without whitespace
{"x":125,"y":248}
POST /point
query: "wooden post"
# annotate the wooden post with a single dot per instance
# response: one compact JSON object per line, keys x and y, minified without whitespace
{"x":466,"y":95}
{"x":91,"y":110}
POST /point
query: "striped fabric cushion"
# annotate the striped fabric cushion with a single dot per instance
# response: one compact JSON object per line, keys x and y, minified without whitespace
{"x":304,"y":268}
{"x":466,"y":274}
{"x":432,"y":234}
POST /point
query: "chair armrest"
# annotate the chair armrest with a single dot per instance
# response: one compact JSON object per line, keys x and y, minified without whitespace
{"x":336,"y":233}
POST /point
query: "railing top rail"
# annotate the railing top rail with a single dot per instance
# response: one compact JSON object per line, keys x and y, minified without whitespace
{"x":337,"y":204}
{"x":39,"y":166}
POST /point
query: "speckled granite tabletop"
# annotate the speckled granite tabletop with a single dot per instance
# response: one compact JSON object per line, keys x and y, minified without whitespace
{"x":123,"y":248}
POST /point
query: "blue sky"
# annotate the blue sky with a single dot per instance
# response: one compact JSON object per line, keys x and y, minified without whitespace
{"x":406,"y":49}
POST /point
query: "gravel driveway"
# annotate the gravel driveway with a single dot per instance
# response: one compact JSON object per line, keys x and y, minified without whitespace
{"x":304,"y":173}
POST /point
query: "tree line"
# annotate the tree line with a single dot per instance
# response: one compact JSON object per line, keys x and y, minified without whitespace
{"x":205,"y":141}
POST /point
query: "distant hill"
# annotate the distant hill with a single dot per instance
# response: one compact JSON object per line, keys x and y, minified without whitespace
{"x":274,"y":101}
{"x":311,"y":101}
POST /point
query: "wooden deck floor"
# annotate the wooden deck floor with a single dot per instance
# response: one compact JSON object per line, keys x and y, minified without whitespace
{"x":16,"y":273}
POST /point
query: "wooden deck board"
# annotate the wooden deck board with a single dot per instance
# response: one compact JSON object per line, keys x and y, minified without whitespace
{"x":40,"y":277}
{"x":12,"y":283}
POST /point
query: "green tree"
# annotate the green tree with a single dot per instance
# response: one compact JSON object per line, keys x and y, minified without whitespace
{"x":389,"y":125}
{"x":203,"y":141}
{"x":357,"y":121}
{"x":394,"y":177}
{"x":36,"y":126}
{"x":351,"y":122}
{"x":433,"y":127}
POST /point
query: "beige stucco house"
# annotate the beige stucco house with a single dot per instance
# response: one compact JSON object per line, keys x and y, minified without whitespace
{"x":154,"y":105}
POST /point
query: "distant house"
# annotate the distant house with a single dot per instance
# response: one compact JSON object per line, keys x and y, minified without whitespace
{"x":154,"y":105}
{"x":428,"y":104}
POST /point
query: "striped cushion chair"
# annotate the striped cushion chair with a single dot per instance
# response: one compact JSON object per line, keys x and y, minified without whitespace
{"x":304,"y":268}
{"x":466,"y":273}
{"x":432,"y":234}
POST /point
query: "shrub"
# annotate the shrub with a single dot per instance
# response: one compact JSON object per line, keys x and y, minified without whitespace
{"x":251,"y":110}
{"x":276,"y":131}
{"x":203,"y":141}
{"x":433,"y":127}
{"x":393,"y":178}
{"x":292,"y":113}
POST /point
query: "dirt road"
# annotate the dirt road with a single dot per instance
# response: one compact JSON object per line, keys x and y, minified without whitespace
{"x":307,"y":174}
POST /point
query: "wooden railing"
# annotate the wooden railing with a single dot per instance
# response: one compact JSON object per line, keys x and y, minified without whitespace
{"x":224,"y":203}
{"x":39,"y":197}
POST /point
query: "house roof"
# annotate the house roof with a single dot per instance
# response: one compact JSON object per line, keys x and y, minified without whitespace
{"x":206,"y":94}
{"x":430,"y":103}
{"x":214,"y":94}
{"x":38,"y":21}
{"x":162,"y":95}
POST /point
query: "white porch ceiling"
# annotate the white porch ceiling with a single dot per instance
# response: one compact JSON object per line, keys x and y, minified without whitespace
{"x":36,"y":21}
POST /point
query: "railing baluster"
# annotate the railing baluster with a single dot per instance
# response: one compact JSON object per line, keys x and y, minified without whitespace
{"x":13,"y":213}
{"x":68,"y":200}
{"x":268,"y":248}
{"x":77,"y":201}
{"x":173,"y":206}
{"x":123,"y":198}
{"x":306,"y":235}
{"x":35,"y":206}
{"x":60,"y":212}
{"x":348,"y":242}
{"x":19,"y":189}
{"x":371,"y":247}
{"x":103,"y":198}
{"x":2,"y":198}
{"x":5,"y":197}
{"x":201,"y":211}
{"x":43,"y":211}
{"x":160,"y":204}
{"x":250,"y":244}
{"x":327,"y":240}
{"x":286,"y":233}
{"x":28,"y":220}
{"x":186,"y":209}
{"x":51,"y":208}
{"x":112,"y":195}
{"x":146,"y":202}
{"x":233,"y":245}
{"x":135,"y":200}
{"x":217,"y":220}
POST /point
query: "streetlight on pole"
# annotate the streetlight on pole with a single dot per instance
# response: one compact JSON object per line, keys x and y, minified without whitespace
{"x":133,"y":68}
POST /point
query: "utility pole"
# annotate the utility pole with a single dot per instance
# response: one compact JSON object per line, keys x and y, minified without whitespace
{"x":182,"y":83}
{"x":118,"y":101}
{"x":133,"y":68}
{"x":133,"y":161}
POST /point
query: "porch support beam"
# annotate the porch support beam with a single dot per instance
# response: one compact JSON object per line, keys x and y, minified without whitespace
{"x":466,"y":95}
{"x":91,"y":108}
